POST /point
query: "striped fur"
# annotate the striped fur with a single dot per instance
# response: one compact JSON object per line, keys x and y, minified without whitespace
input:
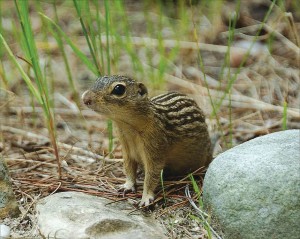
{"x":179,"y":114}
{"x":167,"y":132}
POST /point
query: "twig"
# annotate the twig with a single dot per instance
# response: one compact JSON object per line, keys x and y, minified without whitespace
{"x":30,"y":161}
{"x":239,"y":101}
{"x":67,"y":102}
{"x":54,"y":191}
{"x":169,"y":43}
{"x":61,"y":145}
{"x":30,"y":205}
{"x":199,"y":212}
{"x":28,"y":109}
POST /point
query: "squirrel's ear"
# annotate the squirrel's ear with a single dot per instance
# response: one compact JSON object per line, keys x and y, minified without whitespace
{"x":142,"y":90}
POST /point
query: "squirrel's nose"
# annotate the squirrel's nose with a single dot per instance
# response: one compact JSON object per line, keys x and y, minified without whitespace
{"x":87,"y":97}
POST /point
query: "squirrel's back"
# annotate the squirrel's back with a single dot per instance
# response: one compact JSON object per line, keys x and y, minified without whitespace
{"x":179,"y":114}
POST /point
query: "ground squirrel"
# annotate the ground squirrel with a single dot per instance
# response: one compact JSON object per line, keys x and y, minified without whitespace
{"x":167,"y":132}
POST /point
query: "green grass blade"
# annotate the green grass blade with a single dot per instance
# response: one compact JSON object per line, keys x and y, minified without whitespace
{"x":126,"y":42}
{"x":232,"y":25}
{"x":22,"y":10}
{"x":43,"y":92}
{"x":110,"y":137}
{"x":27,"y":80}
{"x":92,"y":51}
{"x":284,"y":119}
{"x":233,"y":79}
{"x":197,"y":190}
{"x":162,"y":185}
{"x":65,"y":59}
{"x":76,"y":50}
{"x":92,"y":32}
{"x":2,"y":50}
{"x":107,"y":27}
{"x":204,"y":223}
{"x":202,"y":68}
{"x":99,"y":27}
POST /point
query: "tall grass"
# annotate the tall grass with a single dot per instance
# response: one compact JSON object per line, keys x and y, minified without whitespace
{"x":107,"y":32}
{"x":61,"y":46}
{"x":216,"y":106}
{"x":202,"y":68}
{"x":232,"y":25}
{"x":93,"y":38}
{"x":40,"y":78}
{"x":109,"y":20}
{"x":2,"y":52}
{"x":84,"y":6}
{"x":41,"y":92}
{"x":245,"y":57}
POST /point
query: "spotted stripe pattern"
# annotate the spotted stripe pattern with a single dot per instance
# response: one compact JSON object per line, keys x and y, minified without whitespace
{"x":179,"y":114}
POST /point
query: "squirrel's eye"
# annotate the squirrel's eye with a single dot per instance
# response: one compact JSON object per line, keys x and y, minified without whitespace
{"x":119,"y":90}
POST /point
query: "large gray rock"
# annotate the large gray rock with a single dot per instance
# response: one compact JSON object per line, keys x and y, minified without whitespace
{"x":253,"y":190}
{"x":77,"y":215}
{"x":8,"y":204}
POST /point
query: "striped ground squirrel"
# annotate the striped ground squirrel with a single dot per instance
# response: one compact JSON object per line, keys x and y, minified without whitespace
{"x":167,"y":132}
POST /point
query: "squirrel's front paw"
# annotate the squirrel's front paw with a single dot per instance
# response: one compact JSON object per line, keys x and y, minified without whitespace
{"x":146,"y":200}
{"x":127,"y":187}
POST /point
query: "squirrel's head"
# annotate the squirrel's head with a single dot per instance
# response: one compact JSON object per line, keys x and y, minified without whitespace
{"x":116,"y":97}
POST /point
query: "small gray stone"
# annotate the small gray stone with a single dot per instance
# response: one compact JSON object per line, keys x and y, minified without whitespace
{"x":253,"y":190}
{"x":77,"y":215}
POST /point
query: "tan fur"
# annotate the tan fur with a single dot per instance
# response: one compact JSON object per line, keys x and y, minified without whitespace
{"x":167,"y":132}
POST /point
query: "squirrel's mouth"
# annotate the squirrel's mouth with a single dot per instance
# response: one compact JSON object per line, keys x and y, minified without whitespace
{"x":103,"y":110}
{"x":91,"y":101}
